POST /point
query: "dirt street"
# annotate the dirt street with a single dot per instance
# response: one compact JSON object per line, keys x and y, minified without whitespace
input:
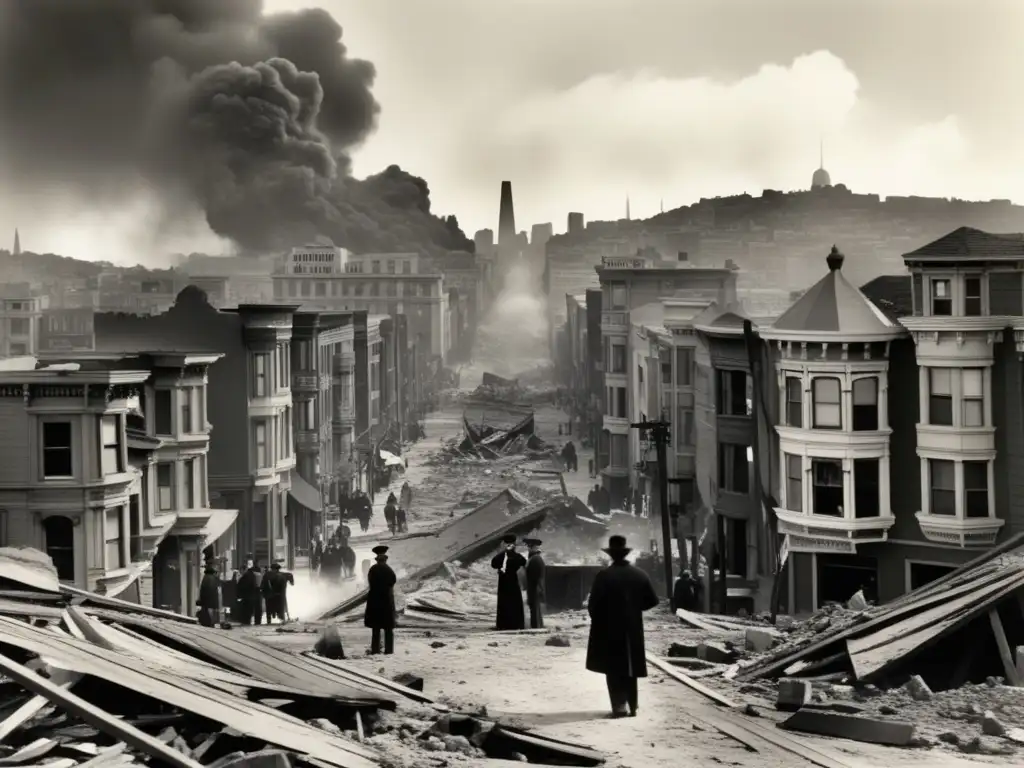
{"x":521,"y":679}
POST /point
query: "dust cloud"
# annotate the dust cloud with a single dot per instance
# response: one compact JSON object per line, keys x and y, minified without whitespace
{"x":310,"y":598}
{"x":513,"y":336}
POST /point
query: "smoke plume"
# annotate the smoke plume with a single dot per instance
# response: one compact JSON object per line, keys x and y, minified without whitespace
{"x":208,"y":102}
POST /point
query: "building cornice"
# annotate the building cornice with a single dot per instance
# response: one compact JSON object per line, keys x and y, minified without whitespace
{"x":830,"y":337}
{"x":948,"y":324}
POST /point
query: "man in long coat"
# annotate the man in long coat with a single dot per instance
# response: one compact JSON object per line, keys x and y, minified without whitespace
{"x":380,"y":602}
{"x":249,"y":592}
{"x":619,"y":596}
{"x":535,"y":584}
{"x":510,"y":595}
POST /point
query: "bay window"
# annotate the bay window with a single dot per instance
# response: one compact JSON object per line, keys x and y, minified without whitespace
{"x":794,"y":482}
{"x":865,"y":404}
{"x":975,"y":489}
{"x":942,"y":477}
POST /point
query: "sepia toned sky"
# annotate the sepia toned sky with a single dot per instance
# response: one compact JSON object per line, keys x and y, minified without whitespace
{"x":581,"y":102}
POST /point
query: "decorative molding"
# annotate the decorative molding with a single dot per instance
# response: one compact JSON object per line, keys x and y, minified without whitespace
{"x":970,"y":531}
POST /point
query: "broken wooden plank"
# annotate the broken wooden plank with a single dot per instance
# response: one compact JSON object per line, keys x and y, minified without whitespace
{"x":94,"y":716}
{"x":33,"y":706}
{"x":538,"y":748}
{"x":674,"y":673}
{"x":863,"y":729}
{"x":699,"y":622}
{"x":1004,"y":647}
{"x":105,"y":756}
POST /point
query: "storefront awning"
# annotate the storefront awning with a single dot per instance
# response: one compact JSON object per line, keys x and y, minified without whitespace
{"x":305,"y":494}
{"x":219,"y":523}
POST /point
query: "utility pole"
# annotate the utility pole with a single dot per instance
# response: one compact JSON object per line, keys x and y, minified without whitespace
{"x":659,"y":433}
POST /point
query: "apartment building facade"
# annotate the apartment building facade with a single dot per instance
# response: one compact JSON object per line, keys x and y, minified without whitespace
{"x":20,"y":317}
{"x":252,"y":455}
{"x":107,"y":473}
{"x":330,"y":279}
{"x":639,"y":294}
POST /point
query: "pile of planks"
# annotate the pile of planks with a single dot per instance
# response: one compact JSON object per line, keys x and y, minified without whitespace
{"x":978,"y":606}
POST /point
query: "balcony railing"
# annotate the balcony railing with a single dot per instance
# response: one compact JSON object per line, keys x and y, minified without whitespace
{"x":304,"y":382}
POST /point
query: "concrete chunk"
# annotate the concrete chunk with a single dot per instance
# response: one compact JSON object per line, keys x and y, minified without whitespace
{"x":918,"y":689}
{"x":715,"y":652}
{"x":793,"y":694}
{"x":682,"y":651}
{"x":759,"y":640}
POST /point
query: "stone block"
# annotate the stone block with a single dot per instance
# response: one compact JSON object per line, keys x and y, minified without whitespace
{"x":793,"y":694}
{"x":759,"y":640}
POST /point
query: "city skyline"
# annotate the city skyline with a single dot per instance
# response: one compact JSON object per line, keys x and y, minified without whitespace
{"x":898,"y":113}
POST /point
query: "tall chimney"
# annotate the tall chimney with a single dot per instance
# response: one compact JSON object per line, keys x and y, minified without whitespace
{"x":506,"y":216}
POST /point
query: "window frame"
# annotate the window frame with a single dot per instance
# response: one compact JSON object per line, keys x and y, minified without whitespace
{"x":172,"y":491}
{"x":117,"y":446}
{"x":45,"y":450}
{"x":789,"y":403}
{"x":684,"y":366}
{"x":729,"y":395}
{"x":261,"y":442}
{"x":943,"y":398}
{"x":980,"y":298}
{"x":158,"y":396}
{"x":816,"y":402}
{"x":121,"y":561}
{"x":934,"y":281}
{"x":933,"y":490}
{"x":727,"y":469}
{"x":189,"y":471}
{"x":815,"y":485}
{"x":981,"y":490}
{"x":973,"y":400}
{"x":876,"y":410}
{"x":261,"y":374}
{"x":794,"y":462}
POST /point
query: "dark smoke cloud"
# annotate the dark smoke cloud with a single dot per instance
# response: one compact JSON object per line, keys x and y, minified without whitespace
{"x":250,"y":116}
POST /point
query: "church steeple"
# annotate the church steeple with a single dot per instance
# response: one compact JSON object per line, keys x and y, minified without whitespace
{"x":627,"y":208}
{"x":17,"y":243}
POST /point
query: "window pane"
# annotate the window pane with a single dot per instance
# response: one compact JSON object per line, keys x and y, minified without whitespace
{"x":794,"y":483}
{"x":943,"y":486}
{"x":794,"y":402}
{"x":865,"y":391}
{"x":867,"y":488}
{"x":684,"y":364}
{"x":108,"y":428}
{"x":162,"y":408}
{"x":827,"y":408}
{"x":974,"y":413}
{"x":828,"y":487}
{"x":940,"y":289}
{"x":976,"y":489}
{"x":973,"y":382}
{"x":941,"y":381}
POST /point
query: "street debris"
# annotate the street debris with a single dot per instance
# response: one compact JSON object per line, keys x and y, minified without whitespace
{"x":104,"y":683}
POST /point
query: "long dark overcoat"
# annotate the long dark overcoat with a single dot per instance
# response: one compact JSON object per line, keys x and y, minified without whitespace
{"x":511,"y":614}
{"x":380,"y":602}
{"x":535,"y":579}
{"x":618,"y":598}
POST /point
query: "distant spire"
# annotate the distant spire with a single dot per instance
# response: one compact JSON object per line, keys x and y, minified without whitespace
{"x":17,"y":243}
{"x":663,"y":205}
{"x":627,"y":207}
{"x":506,"y":216}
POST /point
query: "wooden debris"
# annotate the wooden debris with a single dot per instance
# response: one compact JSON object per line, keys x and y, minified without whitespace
{"x":852,"y":727}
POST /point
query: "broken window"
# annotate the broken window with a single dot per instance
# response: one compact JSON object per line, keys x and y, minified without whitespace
{"x":940,"y":398}
{"x":828,"y":409}
{"x":828,"y":486}
{"x":865,"y":404}
{"x":942,"y":474}
{"x":976,"y":489}
{"x":794,"y":483}
{"x":867,"y":496}
{"x":794,"y":401}
{"x":733,"y":468}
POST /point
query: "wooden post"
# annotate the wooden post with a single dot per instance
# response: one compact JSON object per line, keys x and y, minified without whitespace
{"x":1004,"y":647}
{"x":723,"y":571}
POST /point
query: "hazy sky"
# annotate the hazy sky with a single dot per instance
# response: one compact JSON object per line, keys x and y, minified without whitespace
{"x":580,"y":102}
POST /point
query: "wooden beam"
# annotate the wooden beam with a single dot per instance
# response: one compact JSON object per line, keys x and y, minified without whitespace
{"x":94,"y":716}
{"x":33,"y":706}
{"x":1004,"y":647}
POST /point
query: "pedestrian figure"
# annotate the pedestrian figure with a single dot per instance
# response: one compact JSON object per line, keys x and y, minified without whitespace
{"x":276,"y":594}
{"x":249,"y":588}
{"x":400,"y":520}
{"x":535,"y":584}
{"x":209,"y":597}
{"x":594,"y":498}
{"x":510,"y":614}
{"x":316,"y":553}
{"x":348,"y":561}
{"x":364,"y":510}
{"x":569,"y":457}
{"x":619,"y":596}
{"x":684,"y":593}
{"x":389,"y":514}
{"x":380,"y":603}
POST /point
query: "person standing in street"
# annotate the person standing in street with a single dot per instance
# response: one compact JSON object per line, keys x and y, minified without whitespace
{"x":507,"y":563}
{"x":401,"y":523}
{"x":619,"y":596}
{"x":389,"y":514}
{"x":535,"y":584}
{"x":249,"y":591}
{"x":380,"y":603}
{"x":209,"y":597}
{"x":569,"y":457}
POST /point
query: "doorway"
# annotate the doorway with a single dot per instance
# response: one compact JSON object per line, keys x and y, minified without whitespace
{"x":840,"y":576}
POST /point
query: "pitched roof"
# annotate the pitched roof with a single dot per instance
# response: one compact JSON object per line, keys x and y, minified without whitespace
{"x":725,"y":316}
{"x":834,"y":306}
{"x":892,"y":294}
{"x":970,"y":243}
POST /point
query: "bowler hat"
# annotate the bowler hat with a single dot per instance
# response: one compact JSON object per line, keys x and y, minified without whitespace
{"x":509,"y":539}
{"x":617,"y":546}
{"x":380,"y":550}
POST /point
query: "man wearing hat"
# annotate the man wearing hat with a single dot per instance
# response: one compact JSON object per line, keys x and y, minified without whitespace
{"x":619,"y":596}
{"x":507,"y":563}
{"x":535,"y":583}
{"x":380,"y":602}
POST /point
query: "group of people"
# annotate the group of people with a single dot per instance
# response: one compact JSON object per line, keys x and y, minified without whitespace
{"x":359,"y":507}
{"x":508,"y":562}
{"x":570,"y":460}
{"x":395,"y":515}
{"x":259,"y":592}
{"x":334,"y":559}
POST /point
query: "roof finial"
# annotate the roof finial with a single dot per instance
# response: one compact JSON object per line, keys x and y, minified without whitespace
{"x":834,"y":260}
